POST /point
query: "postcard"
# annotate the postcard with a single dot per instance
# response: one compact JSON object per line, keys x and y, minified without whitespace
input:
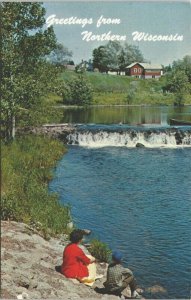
{"x":96,"y":137}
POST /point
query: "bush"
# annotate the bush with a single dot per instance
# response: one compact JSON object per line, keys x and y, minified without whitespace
{"x":100,"y":250}
{"x":81,"y":92}
{"x":26,"y":171}
{"x":62,"y":89}
{"x":75,"y":91}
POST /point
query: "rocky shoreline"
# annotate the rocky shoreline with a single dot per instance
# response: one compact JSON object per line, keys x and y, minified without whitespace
{"x":60,"y":131}
{"x":29,"y":267}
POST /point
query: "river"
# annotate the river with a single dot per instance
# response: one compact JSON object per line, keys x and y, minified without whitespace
{"x":131,"y":115}
{"x":135,"y":199}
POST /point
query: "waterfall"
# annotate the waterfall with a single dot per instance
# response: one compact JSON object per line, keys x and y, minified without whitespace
{"x":96,"y":138}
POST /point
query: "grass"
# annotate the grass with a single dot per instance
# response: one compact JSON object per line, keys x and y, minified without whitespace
{"x":108,"y":83}
{"x":27,"y":165}
{"x":102,"y":82}
{"x":43,"y":113}
{"x":142,"y":98}
{"x":26,"y":171}
{"x":100,"y":250}
{"x":113,"y":89}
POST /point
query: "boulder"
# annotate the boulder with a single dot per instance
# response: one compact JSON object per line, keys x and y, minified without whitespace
{"x":140,"y":145}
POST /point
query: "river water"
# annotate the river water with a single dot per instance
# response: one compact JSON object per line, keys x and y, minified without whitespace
{"x":135,"y":199}
{"x":131,"y":115}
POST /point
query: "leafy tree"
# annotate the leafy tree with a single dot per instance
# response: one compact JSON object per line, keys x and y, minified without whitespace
{"x":175,"y":81}
{"x":167,"y":69}
{"x":131,"y":54}
{"x":101,"y":59}
{"x":179,"y":98}
{"x":183,"y":65}
{"x":71,"y":62}
{"x":114,"y":56}
{"x":23,"y":67}
{"x":121,"y":60}
{"x":178,"y":79}
{"x":61,"y":55}
{"x":78,"y":91}
{"x":178,"y":83}
{"x":62,"y":89}
{"x":113,"y":52}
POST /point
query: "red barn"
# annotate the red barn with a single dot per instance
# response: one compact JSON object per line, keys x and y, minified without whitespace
{"x":144,"y":70}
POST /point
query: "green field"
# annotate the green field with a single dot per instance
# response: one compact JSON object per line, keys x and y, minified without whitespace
{"x":113,"y":89}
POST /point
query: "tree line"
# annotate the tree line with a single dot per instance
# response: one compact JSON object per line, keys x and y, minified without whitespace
{"x":115,"y":56}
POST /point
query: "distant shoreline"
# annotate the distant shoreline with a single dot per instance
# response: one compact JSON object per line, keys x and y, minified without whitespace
{"x":117,"y":105}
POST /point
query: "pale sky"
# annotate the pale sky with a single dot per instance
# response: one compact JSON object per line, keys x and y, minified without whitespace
{"x":156,"y":18}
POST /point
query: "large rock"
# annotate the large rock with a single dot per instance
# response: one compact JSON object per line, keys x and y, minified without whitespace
{"x":140,"y":145}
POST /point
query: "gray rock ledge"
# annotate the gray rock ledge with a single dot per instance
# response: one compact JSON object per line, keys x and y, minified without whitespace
{"x":28,"y":267}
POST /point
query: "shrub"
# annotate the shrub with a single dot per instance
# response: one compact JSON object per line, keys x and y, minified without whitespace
{"x":130,"y":95}
{"x":75,"y":91}
{"x":62,"y":89}
{"x":81,"y":91}
{"x":100,"y":250}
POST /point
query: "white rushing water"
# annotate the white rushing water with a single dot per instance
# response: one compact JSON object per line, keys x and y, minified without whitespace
{"x":129,"y":139}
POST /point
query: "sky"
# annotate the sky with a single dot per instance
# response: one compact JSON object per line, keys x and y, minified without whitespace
{"x":155,"y":18}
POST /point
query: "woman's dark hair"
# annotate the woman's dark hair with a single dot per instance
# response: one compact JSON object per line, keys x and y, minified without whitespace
{"x":76,"y":236}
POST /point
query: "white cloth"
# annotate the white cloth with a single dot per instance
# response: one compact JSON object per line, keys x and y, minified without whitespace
{"x":92,"y":273}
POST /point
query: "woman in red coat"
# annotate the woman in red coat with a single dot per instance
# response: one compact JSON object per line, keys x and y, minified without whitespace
{"x":75,"y":261}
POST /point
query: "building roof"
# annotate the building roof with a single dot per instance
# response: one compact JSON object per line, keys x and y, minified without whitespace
{"x":146,"y":66}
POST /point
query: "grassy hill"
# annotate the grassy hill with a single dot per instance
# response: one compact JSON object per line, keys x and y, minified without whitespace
{"x":113,"y":89}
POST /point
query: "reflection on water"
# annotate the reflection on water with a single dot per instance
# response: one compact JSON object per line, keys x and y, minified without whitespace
{"x":131,"y":115}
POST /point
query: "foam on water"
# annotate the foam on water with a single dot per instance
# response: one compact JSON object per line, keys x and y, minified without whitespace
{"x":130,"y":139}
